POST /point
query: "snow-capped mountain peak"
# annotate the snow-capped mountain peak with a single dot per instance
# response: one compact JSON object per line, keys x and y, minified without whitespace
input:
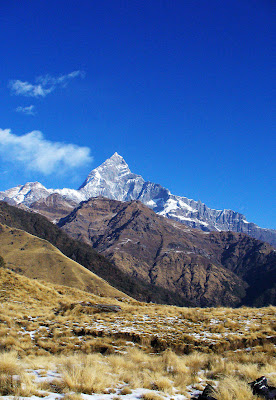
{"x":27,"y":193}
{"x":114,"y":180}
{"x":113,"y":167}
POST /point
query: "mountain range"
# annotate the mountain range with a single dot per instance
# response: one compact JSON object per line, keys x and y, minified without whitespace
{"x":140,"y":239}
{"x":39,"y":226}
{"x":205,"y":268}
{"x":140,"y":253}
{"x":114,"y":180}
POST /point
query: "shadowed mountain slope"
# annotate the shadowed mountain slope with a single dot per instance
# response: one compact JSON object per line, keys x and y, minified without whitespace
{"x":216,"y":268}
{"x":85,"y":255}
{"x":38,"y":259}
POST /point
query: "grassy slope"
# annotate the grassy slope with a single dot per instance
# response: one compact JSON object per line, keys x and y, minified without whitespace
{"x":150,"y":327}
{"x":37,"y":320}
{"x":24,"y":292}
{"x":19,"y":289}
{"x":37,"y":258}
{"x":85,"y":255}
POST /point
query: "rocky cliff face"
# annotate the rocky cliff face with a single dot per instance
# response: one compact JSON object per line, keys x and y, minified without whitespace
{"x":208,"y":269}
{"x":114,"y":180}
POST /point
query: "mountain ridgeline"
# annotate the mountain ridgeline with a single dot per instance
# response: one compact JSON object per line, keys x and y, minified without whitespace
{"x":85,"y":255}
{"x":152,"y":258}
{"x":114,"y":180}
{"x":206,"y":268}
{"x":141,"y":239}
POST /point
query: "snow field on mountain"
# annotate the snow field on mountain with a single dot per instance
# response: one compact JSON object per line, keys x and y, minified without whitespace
{"x":114,"y":180}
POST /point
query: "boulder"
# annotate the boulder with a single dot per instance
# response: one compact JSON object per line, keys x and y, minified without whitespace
{"x":261,"y":388}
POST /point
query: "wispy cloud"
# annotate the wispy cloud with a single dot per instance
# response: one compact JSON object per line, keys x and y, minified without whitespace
{"x":29,"y":110}
{"x":36,"y":153}
{"x":43,"y":84}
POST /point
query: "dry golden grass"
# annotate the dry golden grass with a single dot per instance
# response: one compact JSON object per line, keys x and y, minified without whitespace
{"x":151,"y":396}
{"x":48,"y":314}
{"x":9,"y":363}
{"x":72,"y":396}
{"x":163,"y":349}
{"x":231,"y":388}
{"x":126,"y":390}
{"x":23,"y":252}
{"x":166,"y":374}
{"x":13,"y":380}
{"x":86,"y":375}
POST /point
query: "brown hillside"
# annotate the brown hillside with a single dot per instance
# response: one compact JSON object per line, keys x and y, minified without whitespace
{"x":53,"y":207}
{"x":38,"y":259}
{"x":218,"y":268}
{"x":17,"y":288}
{"x":85,"y":255}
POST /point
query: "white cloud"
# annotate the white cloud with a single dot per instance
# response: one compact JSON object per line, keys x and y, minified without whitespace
{"x":29,"y":90}
{"x":26,"y":110}
{"x":36,"y":153}
{"x":43,"y":84}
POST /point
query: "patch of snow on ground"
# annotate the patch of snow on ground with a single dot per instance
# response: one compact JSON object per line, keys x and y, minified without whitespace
{"x":40,"y":375}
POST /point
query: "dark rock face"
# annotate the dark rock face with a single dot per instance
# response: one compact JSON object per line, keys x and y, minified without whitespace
{"x":208,"y":269}
{"x":206,"y":394}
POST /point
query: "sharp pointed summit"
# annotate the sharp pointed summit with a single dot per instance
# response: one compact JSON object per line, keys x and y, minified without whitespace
{"x":115,"y":159}
{"x":116,"y":156}
{"x":114,"y":180}
{"x":115,"y":162}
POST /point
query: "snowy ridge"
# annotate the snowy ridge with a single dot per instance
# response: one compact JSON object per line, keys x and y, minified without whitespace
{"x":69,"y":194}
{"x":26,"y":194}
{"x":114,"y":180}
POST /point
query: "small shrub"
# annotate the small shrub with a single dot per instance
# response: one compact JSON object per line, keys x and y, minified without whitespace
{"x":231,"y":388}
{"x":9,"y":363}
{"x":162,"y":384}
{"x":8,"y":385}
{"x":151,"y":396}
{"x":2,"y":262}
{"x":126,"y":390}
{"x":72,"y":396}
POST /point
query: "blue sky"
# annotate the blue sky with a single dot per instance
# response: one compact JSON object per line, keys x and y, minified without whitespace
{"x":181,"y":89}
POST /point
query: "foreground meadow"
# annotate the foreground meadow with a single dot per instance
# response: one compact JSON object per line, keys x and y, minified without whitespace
{"x":58,"y":342}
